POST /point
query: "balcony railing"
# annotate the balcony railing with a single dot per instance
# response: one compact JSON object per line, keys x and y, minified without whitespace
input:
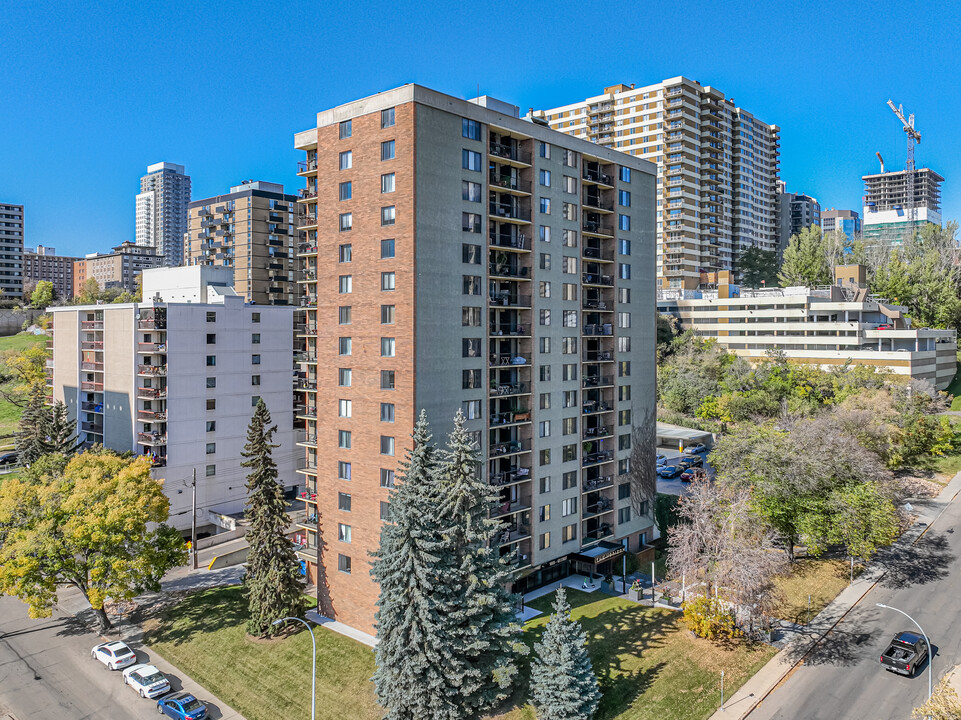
{"x":596,"y":305}
{"x":510,"y":183}
{"x":506,"y":477}
{"x":592,"y":200}
{"x":600,"y":431}
{"x":509,"y":211}
{"x":152,"y":438}
{"x":94,"y":366}
{"x":506,"y":299}
{"x":597,"y":176}
{"x":92,"y":427}
{"x":151,"y":393}
{"x":598,"y":483}
{"x":591,"y":381}
{"x":510,"y":152}
{"x":598,"y":228}
{"x":601,"y":506}
{"x":510,"y":389}
{"x":305,"y":357}
{"x":596,"y":253}
{"x":152,"y":370}
{"x":307,"y":165}
{"x":152,"y":415}
{"x":599,"y":329}
{"x":92,"y":386}
{"x":91,"y":324}
{"x":517,"y":240}
{"x":595,"y":458}
{"x":151,"y":347}
{"x":93,"y":407}
{"x":508,"y":270}
{"x":593,"y":356}
{"x":595,"y":279}
{"x":509,"y":508}
{"x":508,"y":329}
{"x":152,"y":324}
{"x":91,"y":345}
{"x":307,"y":220}
{"x":508,"y":448}
{"x":508,"y":360}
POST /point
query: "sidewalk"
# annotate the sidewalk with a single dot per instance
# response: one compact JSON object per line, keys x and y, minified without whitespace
{"x":743,"y":702}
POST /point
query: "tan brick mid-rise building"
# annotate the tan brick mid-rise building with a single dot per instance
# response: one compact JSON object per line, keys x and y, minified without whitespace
{"x":252,"y":229}
{"x":458,"y":257}
{"x":43,"y":263}
{"x":119,"y":269}
{"x":717,"y":169}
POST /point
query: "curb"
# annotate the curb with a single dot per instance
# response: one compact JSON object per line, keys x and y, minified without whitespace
{"x":911,"y":536}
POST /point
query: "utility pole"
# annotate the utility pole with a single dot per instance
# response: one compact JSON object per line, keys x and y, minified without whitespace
{"x":193,"y":518}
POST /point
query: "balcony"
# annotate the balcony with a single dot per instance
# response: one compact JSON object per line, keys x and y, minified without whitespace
{"x":509,"y":152}
{"x":92,"y":366}
{"x":309,"y":385}
{"x":509,"y":183}
{"x":601,"y":506}
{"x":513,"y":534}
{"x":307,"y":411}
{"x":509,"y":329}
{"x":597,"y":458}
{"x":307,"y":221}
{"x":598,"y":483}
{"x":92,"y":427}
{"x":306,"y":166}
{"x":152,"y":370}
{"x":592,"y":226}
{"x":508,"y":270}
{"x":91,"y":386}
{"x":157,"y":460}
{"x":590,"y":252}
{"x":152,"y":415}
{"x":91,"y":345}
{"x":509,"y":476}
{"x":505,"y":298}
{"x":510,"y":389}
{"x":595,"y":279}
{"x":152,"y":324}
{"x":514,"y":239}
{"x":596,"y":381}
{"x":594,"y":200}
{"x":599,"y":329}
{"x":305,"y":249}
{"x":504,"y":509}
{"x":152,"y":438}
{"x":146,"y":393}
{"x":151,"y":347}
{"x":91,"y":325}
{"x":508,"y":360}
{"x":594,"y":175}
{"x":506,"y":449}
{"x":509,"y":211}
{"x":593,"y":536}
{"x":596,"y":356}
{"x":93,"y":407}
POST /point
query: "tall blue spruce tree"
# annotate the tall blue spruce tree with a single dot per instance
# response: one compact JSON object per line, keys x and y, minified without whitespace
{"x":563,"y":684}
{"x":413,"y":649}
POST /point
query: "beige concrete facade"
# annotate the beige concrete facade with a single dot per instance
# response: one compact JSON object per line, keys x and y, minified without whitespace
{"x":253,"y":230}
{"x":119,"y":269}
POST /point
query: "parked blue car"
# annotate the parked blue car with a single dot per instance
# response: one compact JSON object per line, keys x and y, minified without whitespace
{"x":669,"y":471}
{"x":182,"y":706}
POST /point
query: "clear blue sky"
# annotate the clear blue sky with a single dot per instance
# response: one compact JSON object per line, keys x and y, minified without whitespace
{"x":93,"y":92}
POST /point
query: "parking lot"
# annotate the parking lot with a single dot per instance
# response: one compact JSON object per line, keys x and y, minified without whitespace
{"x":674,"y":486}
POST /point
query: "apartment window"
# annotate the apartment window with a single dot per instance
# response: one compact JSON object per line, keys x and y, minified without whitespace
{"x":255,"y":380}
{"x":545,"y":345}
{"x":569,"y":210}
{"x":569,"y":426}
{"x":624,"y":270}
{"x":471,"y":222}
{"x":211,"y":382}
{"x":623,"y":319}
{"x":545,"y":177}
{"x":346,"y":160}
{"x":211,"y":426}
{"x":471,"y":160}
{"x":624,"y":198}
{"x":255,"y":317}
{"x":387,"y":412}
{"x":387,"y":281}
{"x":343,"y":439}
{"x":569,"y":319}
{"x":623,"y":491}
{"x":387,"y":118}
{"x":570,"y":185}
{"x":210,"y":470}
{"x":344,"y":376}
{"x":211,"y":317}
{"x":568,"y":506}
{"x":343,"y":532}
{"x":544,"y":150}
{"x":386,"y":249}
{"x":545,"y":260}
{"x":346,"y":221}
{"x":255,"y":359}
{"x":471,"y":409}
{"x":471,"y":253}
{"x":545,"y":401}
{"x":386,"y":478}
{"x":387,"y":314}
{"x":624,"y":344}
{"x":387,"y":183}
{"x":569,"y":265}
{"x":545,"y":233}
{"x":625,"y":174}
{"x":343,"y":564}
{"x":624,"y":296}
{"x":386,"y":379}
{"x":343,"y":502}
{"x":569,"y":398}
{"x":470,"y":379}
{"x":545,"y":373}
{"x":345,"y":190}
{"x":569,"y":480}
{"x":386,"y":445}
{"x":544,"y":513}
{"x":345,"y":129}
{"x":569,"y":291}
{"x":569,"y":346}
{"x":569,"y":533}
{"x":470,"y":347}
{"x":211,"y":403}
{"x":569,"y":238}
{"x":624,"y":246}
{"x":343,"y":314}
{"x":545,"y":317}
{"x":387,"y":150}
{"x":624,"y":418}
{"x":624,"y":393}
{"x":343,"y":470}
{"x":211,"y":360}
{"x":472,"y":285}
{"x":546,"y":206}
{"x":211,"y":448}
{"x":388,"y":215}
{"x":470,"y":129}
{"x":471,"y":191}
{"x":344,"y":408}
{"x":624,"y":222}
{"x":569,"y":158}
{"x":388,"y":347}
{"x":470,"y":316}
{"x":569,"y":372}
{"x":623,"y":515}
{"x":544,"y":458}
{"x":624,"y":441}
{"x":544,"y":428}
{"x":345,"y":284}
{"x":385,"y":511}
{"x":545,"y":485}
{"x":623,"y":466}
{"x":624,"y":368}
{"x":544,"y":289}
{"x":211,"y":338}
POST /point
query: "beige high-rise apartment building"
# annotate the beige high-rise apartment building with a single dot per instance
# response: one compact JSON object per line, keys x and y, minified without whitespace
{"x":717,"y":169}
{"x":253,"y":230}
{"x":459,"y":257}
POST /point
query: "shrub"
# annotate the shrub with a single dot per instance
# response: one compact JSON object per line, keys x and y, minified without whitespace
{"x":707,"y":617}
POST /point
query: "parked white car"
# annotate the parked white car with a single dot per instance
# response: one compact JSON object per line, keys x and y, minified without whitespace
{"x":114,"y":655}
{"x":146,"y":680}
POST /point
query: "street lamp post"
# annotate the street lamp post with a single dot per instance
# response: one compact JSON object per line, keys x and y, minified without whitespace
{"x":926,"y":642}
{"x":313,"y":680}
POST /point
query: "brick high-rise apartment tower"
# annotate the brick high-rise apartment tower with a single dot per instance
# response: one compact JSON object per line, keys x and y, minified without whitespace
{"x":458,"y":257}
{"x":717,"y":169}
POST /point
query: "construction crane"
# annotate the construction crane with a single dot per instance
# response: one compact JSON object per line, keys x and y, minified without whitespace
{"x":913,"y":137}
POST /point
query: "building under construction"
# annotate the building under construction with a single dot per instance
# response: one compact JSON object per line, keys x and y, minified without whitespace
{"x":887,"y":216}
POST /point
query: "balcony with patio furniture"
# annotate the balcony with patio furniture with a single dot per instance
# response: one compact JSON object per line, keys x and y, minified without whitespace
{"x":509,"y":236}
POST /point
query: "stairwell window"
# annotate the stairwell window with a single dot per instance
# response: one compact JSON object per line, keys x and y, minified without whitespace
{"x":387,"y":150}
{"x":387,"y":118}
{"x":346,"y":160}
{"x":388,"y":215}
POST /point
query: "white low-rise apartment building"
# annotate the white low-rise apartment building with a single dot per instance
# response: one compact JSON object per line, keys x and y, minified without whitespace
{"x":177,"y":378}
{"x":823,"y":326}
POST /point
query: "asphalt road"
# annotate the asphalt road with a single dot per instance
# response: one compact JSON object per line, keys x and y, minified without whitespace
{"x":842,"y":677}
